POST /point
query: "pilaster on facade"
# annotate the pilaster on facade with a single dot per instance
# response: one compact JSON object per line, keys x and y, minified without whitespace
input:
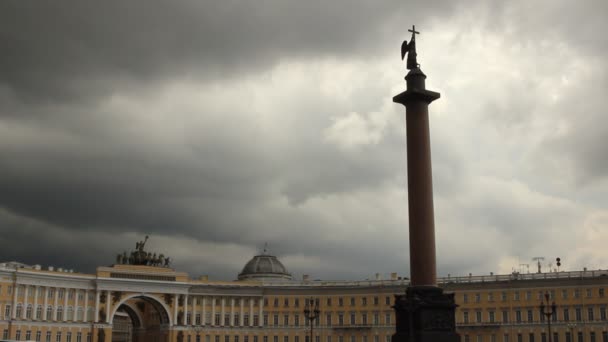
{"x":55,"y":299}
{"x":46,"y":303}
{"x":97,"y":308}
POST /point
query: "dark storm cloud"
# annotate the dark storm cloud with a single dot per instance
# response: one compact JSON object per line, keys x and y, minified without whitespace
{"x":73,"y":49}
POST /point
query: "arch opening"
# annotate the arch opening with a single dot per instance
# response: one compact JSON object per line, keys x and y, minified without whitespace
{"x":140,"y":319}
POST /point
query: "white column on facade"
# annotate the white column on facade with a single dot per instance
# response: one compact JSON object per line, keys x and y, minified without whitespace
{"x":35,"y":307}
{"x":261,"y":317}
{"x":97,"y":294}
{"x":175,"y":305}
{"x":203,"y":310}
{"x":185,"y":315}
{"x":251,"y":311}
{"x":75,"y":311}
{"x":46,"y":303}
{"x":193,"y":314}
{"x":86,"y":305}
{"x":232,"y":311}
{"x":14,"y":308}
{"x":242,"y":311}
{"x":108,"y":306}
{"x":223,"y":311}
{"x":55,"y":297}
{"x":24,"y":308}
{"x":65,"y":304}
{"x":212,"y":311}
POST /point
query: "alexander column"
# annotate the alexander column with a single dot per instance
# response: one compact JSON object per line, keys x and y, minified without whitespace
{"x":424,"y":313}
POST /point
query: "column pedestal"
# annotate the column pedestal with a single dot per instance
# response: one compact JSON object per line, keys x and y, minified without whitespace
{"x":425,"y":314}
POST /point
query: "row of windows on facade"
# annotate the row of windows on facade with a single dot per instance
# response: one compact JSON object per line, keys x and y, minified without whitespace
{"x":48,"y":337}
{"x":532,"y":337}
{"x":246,"y":338}
{"x":576,"y":293}
{"x":29,"y":314}
{"x":286,"y":320}
{"x":328,"y":301}
{"x":563,"y":315}
{"x":30,"y":291}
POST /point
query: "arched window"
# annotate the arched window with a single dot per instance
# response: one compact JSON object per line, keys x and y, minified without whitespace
{"x":28,"y":312}
{"x":18,"y":312}
{"x":39,"y":312}
{"x":60,"y":313}
{"x":79,"y":314}
{"x":49,"y":312}
{"x":70,"y":313}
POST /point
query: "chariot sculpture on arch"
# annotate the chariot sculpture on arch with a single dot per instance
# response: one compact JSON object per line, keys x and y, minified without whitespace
{"x":139,"y":256}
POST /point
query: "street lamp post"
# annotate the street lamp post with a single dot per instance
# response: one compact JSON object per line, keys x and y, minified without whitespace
{"x":311,"y":311}
{"x":548,"y":314}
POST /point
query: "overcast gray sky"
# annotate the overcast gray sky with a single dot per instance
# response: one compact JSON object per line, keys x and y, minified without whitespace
{"x":217,"y":126}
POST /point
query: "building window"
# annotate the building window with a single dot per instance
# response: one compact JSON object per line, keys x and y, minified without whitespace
{"x":387,"y":300}
{"x":60,"y":295}
{"x":465,"y":317}
{"x":528,"y":295}
{"x":387,"y":319}
{"x":467,"y":338}
{"x":505,"y":316}
{"x":589,"y":293}
{"x":590,"y":314}
{"x":465,"y":298}
{"x":478,"y":316}
{"x":568,"y":337}
{"x":58,"y":337}
{"x":352,"y":301}
{"x":28,"y":335}
{"x":296,"y":302}
{"x":579,"y":316}
{"x":60,"y":313}
{"x":5,"y":334}
{"x":39,"y":336}
{"x":197,"y":319}
{"x":604,"y":336}
{"x":530,"y":316}
{"x":376,"y":300}
{"x":601,"y":292}
{"x":491,"y":297}
{"x":577,"y":293}
{"x":275,"y":319}
{"x":7,"y":311}
{"x":352,"y":319}
{"x":555,"y":337}
{"x":518,"y":316}
{"x":603,"y":313}
{"x":286,"y":302}
{"x":18,"y":311}
{"x":516,"y":295}
{"x":564,"y":294}
{"x":592,"y":336}
{"x":78,"y":337}
{"x":246,"y":320}
{"x":566,"y":315}
{"x":520,"y":338}
{"x":28,"y":313}
{"x":543,"y":337}
{"x":340,"y":301}
{"x":285,"y":320}
{"x":18,"y":335}
{"x":503,"y":296}
{"x":276,"y":302}
{"x":328,"y":319}
{"x":68,"y":337}
{"x":89,"y":337}
{"x":376,"y":318}
{"x":364,"y":301}
{"x":38,"y":312}
{"x":477,"y":297}
{"x":48,"y":337}
{"x":531,"y":337}
{"x":340,"y":319}
{"x":364,"y":318}
{"x":579,"y":336}
{"x":492,"y":319}
{"x":296,"y":320}
{"x":505,"y":338}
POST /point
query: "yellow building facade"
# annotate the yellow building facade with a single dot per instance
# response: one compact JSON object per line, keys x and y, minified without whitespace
{"x":144,"y":303}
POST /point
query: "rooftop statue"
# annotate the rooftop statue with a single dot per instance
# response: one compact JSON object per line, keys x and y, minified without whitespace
{"x":140,"y":257}
{"x":410,"y":49}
